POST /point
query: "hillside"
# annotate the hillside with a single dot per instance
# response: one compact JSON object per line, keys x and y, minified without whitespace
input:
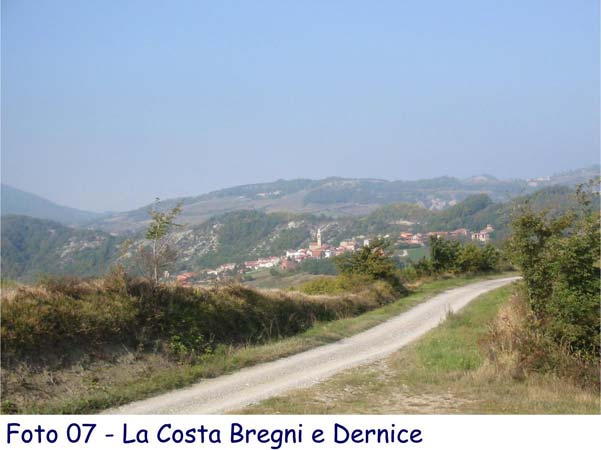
{"x":16,"y":201}
{"x":344,"y":197}
{"x":333,"y":197}
{"x":32,"y":246}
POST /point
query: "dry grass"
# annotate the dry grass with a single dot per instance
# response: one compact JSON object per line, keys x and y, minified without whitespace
{"x":516,"y":347}
{"x":264,"y":280}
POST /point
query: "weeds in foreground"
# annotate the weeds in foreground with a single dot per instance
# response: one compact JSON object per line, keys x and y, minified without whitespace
{"x":516,"y":346}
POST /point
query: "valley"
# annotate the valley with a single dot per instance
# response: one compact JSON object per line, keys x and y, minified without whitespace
{"x":33,"y":247}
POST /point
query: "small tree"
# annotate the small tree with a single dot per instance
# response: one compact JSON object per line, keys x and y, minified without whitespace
{"x":473,"y":258}
{"x":470,"y":258}
{"x":444,"y":254}
{"x":373,"y":261}
{"x":160,"y":255}
{"x":491,"y":258}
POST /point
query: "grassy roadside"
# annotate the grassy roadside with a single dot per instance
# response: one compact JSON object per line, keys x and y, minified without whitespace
{"x":444,"y":372}
{"x":95,"y":386}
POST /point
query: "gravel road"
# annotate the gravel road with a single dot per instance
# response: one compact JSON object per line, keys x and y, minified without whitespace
{"x":250,"y":385}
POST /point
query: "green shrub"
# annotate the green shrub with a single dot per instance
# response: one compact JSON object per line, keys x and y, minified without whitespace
{"x":473,"y":258}
{"x":559,"y":259}
{"x":409,"y":274}
{"x":451,"y":256}
{"x":423,"y":267}
{"x":444,"y":254}
{"x":373,"y":262}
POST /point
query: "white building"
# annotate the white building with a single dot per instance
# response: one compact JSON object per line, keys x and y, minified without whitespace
{"x":483,"y":235}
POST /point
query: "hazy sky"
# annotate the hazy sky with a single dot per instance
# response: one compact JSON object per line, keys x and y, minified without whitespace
{"x":107,"y":104}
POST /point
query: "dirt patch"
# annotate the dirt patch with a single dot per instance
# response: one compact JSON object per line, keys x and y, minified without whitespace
{"x":401,"y":399}
{"x":407,"y":403}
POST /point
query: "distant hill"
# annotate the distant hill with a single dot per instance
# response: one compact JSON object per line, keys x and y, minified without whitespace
{"x":16,"y":201}
{"x":333,"y":197}
{"x":31,"y":247}
{"x":344,"y":197}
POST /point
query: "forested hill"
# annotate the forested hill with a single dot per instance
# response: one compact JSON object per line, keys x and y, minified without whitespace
{"x":473,"y":213}
{"x":31,"y":247}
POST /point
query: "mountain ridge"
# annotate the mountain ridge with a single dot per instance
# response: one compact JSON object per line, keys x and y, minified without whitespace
{"x":18,"y":202}
{"x":343,"y":197}
{"x":334,"y":197}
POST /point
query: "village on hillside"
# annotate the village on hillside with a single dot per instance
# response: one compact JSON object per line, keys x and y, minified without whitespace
{"x":318,"y":249}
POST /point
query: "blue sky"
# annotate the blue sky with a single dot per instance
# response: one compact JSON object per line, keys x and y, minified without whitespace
{"x":108,"y":104}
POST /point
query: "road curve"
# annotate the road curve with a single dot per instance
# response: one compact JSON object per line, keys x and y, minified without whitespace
{"x":252,"y":384}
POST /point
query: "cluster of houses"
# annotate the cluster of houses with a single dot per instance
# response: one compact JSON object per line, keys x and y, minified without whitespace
{"x":319,"y":249}
{"x":289,"y":261}
{"x":460,"y":233}
{"x":263,"y":263}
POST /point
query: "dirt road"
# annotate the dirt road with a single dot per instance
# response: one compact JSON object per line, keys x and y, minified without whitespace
{"x":259,"y":382}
